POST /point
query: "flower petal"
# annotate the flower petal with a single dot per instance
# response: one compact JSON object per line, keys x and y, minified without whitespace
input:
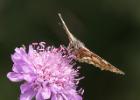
{"x":77,"y":97}
{"x":19,"y":54}
{"x":21,"y":61}
{"x":46,"y":93}
{"x":74,"y":96}
{"x":28,"y":95}
{"x":54,"y":97}
{"x":29,"y":77}
{"x":25,"y":87}
{"x":57,"y":97}
{"x":23,"y":68}
{"x":65,"y":97}
{"x":38,"y":95}
{"x":15,"y":77}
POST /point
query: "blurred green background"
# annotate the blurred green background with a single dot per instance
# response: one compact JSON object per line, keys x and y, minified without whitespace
{"x":111,"y":28}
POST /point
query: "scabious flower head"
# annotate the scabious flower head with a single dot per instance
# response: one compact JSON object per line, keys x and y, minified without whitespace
{"x":46,"y":73}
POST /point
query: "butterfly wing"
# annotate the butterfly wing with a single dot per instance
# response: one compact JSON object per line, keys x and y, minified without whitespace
{"x":85,"y":55}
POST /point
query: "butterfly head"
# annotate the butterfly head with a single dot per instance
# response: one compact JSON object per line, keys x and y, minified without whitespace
{"x":75,"y":44}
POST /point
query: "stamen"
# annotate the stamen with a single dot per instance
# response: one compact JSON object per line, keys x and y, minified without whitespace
{"x":39,"y":47}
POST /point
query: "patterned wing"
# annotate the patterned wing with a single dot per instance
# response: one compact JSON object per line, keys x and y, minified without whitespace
{"x":84,"y":55}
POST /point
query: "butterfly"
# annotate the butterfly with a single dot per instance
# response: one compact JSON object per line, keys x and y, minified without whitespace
{"x":83,"y":54}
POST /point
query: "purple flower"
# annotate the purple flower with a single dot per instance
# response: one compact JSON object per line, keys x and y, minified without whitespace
{"x":46,"y":73}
